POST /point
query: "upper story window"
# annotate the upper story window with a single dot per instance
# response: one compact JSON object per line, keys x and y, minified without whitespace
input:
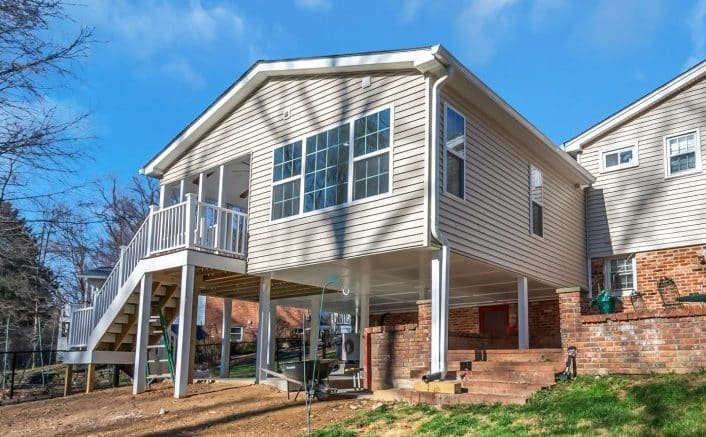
{"x":620,"y":273}
{"x":619,"y":156}
{"x":333,"y":172}
{"x":371,"y":155}
{"x":326,"y":168}
{"x":682,"y":153}
{"x":286,"y":180}
{"x":454,"y":152}
{"x":536,"y":201}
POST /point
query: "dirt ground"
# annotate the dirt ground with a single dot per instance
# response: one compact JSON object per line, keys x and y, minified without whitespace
{"x":210,"y":409}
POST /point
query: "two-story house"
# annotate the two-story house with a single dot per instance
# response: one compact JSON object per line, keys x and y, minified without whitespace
{"x":395,"y":184}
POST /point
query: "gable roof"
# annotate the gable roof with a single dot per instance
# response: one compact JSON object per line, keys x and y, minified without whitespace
{"x":431,"y":59}
{"x":642,"y":104}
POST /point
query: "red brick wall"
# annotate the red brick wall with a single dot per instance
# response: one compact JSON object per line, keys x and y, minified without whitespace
{"x":680,"y":264}
{"x":652,"y":340}
{"x":544,"y":327}
{"x":245,"y":314}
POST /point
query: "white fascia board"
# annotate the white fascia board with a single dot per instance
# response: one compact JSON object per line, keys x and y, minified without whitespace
{"x":408,"y":59}
{"x":680,"y":82}
{"x":585,"y":176}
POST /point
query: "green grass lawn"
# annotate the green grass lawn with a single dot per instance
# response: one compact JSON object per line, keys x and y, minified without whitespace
{"x":661,"y":405}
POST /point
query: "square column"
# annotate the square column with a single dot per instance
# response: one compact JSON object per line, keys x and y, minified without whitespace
{"x":315,"y":326}
{"x":522,"y":313}
{"x":184,"y":340}
{"x":225,"y":338}
{"x":265,"y":351}
{"x":142,"y":336}
{"x":439,"y":311}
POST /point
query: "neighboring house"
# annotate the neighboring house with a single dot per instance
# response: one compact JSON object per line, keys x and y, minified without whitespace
{"x":646,"y":228}
{"x":395,"y":183}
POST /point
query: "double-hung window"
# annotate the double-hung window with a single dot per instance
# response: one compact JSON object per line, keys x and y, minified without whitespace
{"x":619,"y":156}
{"x":682,"y":153}
{"x":536,"y":201}
{"x":454,"y":152}
{"x":286,"y":180}
{"x":371,"y":155}
{"x":620,"y":273}
{"x":236,"y":333}
{"x":326,"y":168}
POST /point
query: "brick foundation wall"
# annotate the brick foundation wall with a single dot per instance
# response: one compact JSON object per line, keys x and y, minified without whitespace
{"x":637,"y":342}
{"x":681,"y":264}
{"x":246,"y":314}
{"x":397,"y":350}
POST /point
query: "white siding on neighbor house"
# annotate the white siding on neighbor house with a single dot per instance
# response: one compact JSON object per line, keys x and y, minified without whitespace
{"x":638,"y":209}
{"x":492,"y":223}
{"x":390,"y":222}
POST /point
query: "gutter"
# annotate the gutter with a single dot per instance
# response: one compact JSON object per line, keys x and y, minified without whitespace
{"x":440,"y":306}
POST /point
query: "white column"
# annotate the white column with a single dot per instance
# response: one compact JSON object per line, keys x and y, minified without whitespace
{"x":363,"y":316}
{"x":439,"y":310}
{"x":186,"y":303}
{"x":225,"y":337}
{"x":315,"y":326}
{"x":263,"y":330}
{"x":522,"y":313}
{"x":202,"y":187}
{"x":162,"y":195}
{"x":142,"y":336}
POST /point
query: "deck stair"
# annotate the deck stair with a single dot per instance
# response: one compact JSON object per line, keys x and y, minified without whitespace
{"x":507,"y":376}
{"x":160,"y":360}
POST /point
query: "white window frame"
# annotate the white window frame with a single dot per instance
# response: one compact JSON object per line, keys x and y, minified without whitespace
{"x":607,"y":275}
{"x":667,"y":168}
{"x":350,"y":121}
{"x":300,"y":176}
{"x":242,"y":332}
{"x":531,"y":220}
{"x":460,"y":155}
{"x":617,"y":148}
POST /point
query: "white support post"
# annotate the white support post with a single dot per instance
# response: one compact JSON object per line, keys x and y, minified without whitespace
{"x":162,"y":195}
{"x":219,"y":218}
{"x":142,"y":335}
{"x":189,"y":222}
{"x":186,"y":303}
{"x":522,"y":313}
{"x":439,"y":311}
{"x":202,"y":187}
{"x":315,"y":326}
{"x":150,"y":228}
{"x":263,"y":330}
{"x":225,"y":338}
{"x":182,"y":190}
{"x":120,"y":270}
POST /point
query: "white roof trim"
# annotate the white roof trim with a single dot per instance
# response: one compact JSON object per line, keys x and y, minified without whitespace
{"x":406,"y":59}
{"x":678,"y":83}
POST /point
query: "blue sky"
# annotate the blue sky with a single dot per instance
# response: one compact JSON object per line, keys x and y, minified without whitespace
{"x":563,"y":64}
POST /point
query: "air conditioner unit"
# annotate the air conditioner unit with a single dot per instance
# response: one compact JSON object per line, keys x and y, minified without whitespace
{"x":350,"y":347}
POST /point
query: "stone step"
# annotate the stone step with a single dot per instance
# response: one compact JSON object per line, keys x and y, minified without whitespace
{"x":460,"y":398}
{"x":527,"y":355}
{"x":508,"y":375}
{"x":549,"y":367}
{"x":501,"y":388}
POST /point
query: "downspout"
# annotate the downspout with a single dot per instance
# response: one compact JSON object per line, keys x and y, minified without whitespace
{"x":439,"y":353}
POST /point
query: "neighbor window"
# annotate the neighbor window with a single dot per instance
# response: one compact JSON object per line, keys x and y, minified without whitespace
{"x":536,"y":201}
{"x":682,"y":153}
{"x":620,"y":273}
{"x":236,"y":333}
{"x":286,"y":180}
{"x":371,"y":155}
{"x":454,"y":152}
{"x":619,"y":156}
{"x":326,"y":169}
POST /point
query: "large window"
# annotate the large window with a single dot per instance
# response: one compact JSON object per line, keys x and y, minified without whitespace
{"x":326,"y":169}
{"x":454,"y":152}
{"x":682,"y":154}
{"x":286,"y":180}
{"x":536,"y":201}
{"x":620,"y":273}
{"x":333,"y":172}
{"x":371,"y":157}
{"x":619,"y":156}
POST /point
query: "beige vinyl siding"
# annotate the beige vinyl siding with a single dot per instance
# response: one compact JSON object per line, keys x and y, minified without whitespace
{"x":492,"y":223}
{"x":638,"y":209}
{"x":390,"y":222}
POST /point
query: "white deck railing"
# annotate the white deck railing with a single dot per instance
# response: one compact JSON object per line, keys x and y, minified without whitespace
{"x":187,"y":225}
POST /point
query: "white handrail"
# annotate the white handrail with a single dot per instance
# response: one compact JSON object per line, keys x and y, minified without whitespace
{"x":189,"y":224}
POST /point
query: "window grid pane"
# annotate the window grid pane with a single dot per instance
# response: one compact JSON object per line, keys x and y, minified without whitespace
{"x":682,"y":153}
{"x":371,"y":176}
{"x":454,"y":130}
{"x":371,"y":133}
{"x":621,"y":273}
{"x":326,"y":169}
{"x":288,"y":161}
{"x":537,"y":200}
{"x":285,"y":199}
{"x":455,"y":174}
